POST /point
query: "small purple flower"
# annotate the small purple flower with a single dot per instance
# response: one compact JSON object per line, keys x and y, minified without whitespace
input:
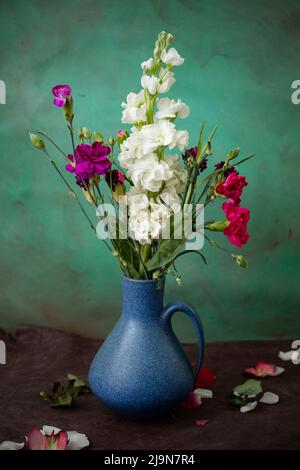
{"x":219,"y":165}
{"x":114,"y":178}
{"x":192,"y":152}
{"x":61,"y":93}
{"x":90,"y":159}
{"x":228,"y":171}
{"x":203,"y":165}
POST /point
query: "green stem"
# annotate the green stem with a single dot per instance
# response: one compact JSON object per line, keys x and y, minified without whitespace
{"x":70,"y":189}
{"x":53,"y":143}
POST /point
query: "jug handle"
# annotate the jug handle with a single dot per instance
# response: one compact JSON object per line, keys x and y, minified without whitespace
{"x":166,"y":316}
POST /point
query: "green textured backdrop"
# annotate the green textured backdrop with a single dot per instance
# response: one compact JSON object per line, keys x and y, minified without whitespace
{"x":241,"y":58}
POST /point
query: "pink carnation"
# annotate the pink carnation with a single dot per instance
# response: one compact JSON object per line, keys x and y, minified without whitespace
{"x":61,"y":93}
{"x":232,"y":187}
{"x":238,"y":218}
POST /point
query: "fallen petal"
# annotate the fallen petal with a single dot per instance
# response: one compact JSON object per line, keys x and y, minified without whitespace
{"x":36,"y":440}
{"x":264,"y":369}
{"x":203,"y":392}
{"x":251,"y":371}
{"x":269,"y":398}
{"x":48,"y":430}
{"x":278,"y":371}
{"x":293,"y":356}
{"x":201,"y":422}
{"x":249,"y":407}
{"x":205,"y":378}
{"x":62,"y":441}
{"x":10,"y":445}
{"x":193,"y":401}
{"x":77,"y":440}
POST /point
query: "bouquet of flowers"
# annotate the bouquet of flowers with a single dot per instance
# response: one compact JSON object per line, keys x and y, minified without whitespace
{"x":149,"y":201}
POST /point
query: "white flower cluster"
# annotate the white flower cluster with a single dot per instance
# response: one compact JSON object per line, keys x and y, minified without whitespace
{"x":157,"y":178}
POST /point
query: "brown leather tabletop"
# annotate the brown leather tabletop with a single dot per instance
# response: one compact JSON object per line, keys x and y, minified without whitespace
{"x":39,"y":356}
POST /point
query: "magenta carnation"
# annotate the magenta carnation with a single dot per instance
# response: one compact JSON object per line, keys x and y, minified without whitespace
{"x":232,"y":187}
{"x":61,"y":93}
{"x":90,"y":160}
{"x":238,"y":218}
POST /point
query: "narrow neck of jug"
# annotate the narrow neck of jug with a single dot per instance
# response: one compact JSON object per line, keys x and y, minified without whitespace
{"x":142,"y":299}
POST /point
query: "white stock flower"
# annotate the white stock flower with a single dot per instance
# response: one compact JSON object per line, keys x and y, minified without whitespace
{"x":170,"y":109}
{"x":150,"y":83}
{"x":146,"y":225}
{"x":149,"y":173}
{"x":171,"y":57}
{"x":179,"y":173}
{"x":170,"y":197}
{"x":166,"y":80}
{"x":147,"y":64}
{"x":181,"y":139}
{"x":161,"y":133}
{"x":137,"y":200}
{"x":134,"y":108}
{"x":161,"y":84}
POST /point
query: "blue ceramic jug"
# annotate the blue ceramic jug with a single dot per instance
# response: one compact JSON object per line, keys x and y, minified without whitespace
{"x":141,"y":371}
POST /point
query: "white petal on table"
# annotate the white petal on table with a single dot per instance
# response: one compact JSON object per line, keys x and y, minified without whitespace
{"x":48,"y":430}
{"x":293,"y":356}
{"x":203,"y":392}
{"x":249,"y":407}
{"x":269,"y":398}
{"x":10,"y":445}
{"x":278,"y":371}
{"x":77,"y":440}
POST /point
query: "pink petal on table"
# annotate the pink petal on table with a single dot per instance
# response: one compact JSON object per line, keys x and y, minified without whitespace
{"x":201,"y":422}
{"x":264,"y":369}
{"x":62,"y":441}
{"x":193,"y":401}
{"x":36,"y":440}
{"x":251,"y":371}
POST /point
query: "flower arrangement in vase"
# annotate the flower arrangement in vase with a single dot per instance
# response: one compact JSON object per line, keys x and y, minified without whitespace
{"x":149,"y":206}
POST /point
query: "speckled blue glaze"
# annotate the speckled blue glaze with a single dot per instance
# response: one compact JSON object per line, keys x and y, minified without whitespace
{"x":141,"y":371}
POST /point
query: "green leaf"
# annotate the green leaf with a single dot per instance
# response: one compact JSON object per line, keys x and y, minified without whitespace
{"x":76,"y":382}
{"x":62,"y":395}
{"x":244,"y":159}
{"x":250,"y":387}
{"x":164,"y":254}
{"x":190,"y":251}
{"x":240,"y":260}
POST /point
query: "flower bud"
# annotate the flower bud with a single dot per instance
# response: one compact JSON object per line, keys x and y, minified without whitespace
{"x":86,"y":133}
{"x":217,"y":226}
{"x":169,"y":39}
{"x":36,"y":141}
{"x":80,"y":133}
{"x":232,"y":154}
{"x":68,"y":109}
{"x":240,"y":260}
{"x":111,"y":141}
{"x":121,"y":136}
{"x":98,"y":137}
